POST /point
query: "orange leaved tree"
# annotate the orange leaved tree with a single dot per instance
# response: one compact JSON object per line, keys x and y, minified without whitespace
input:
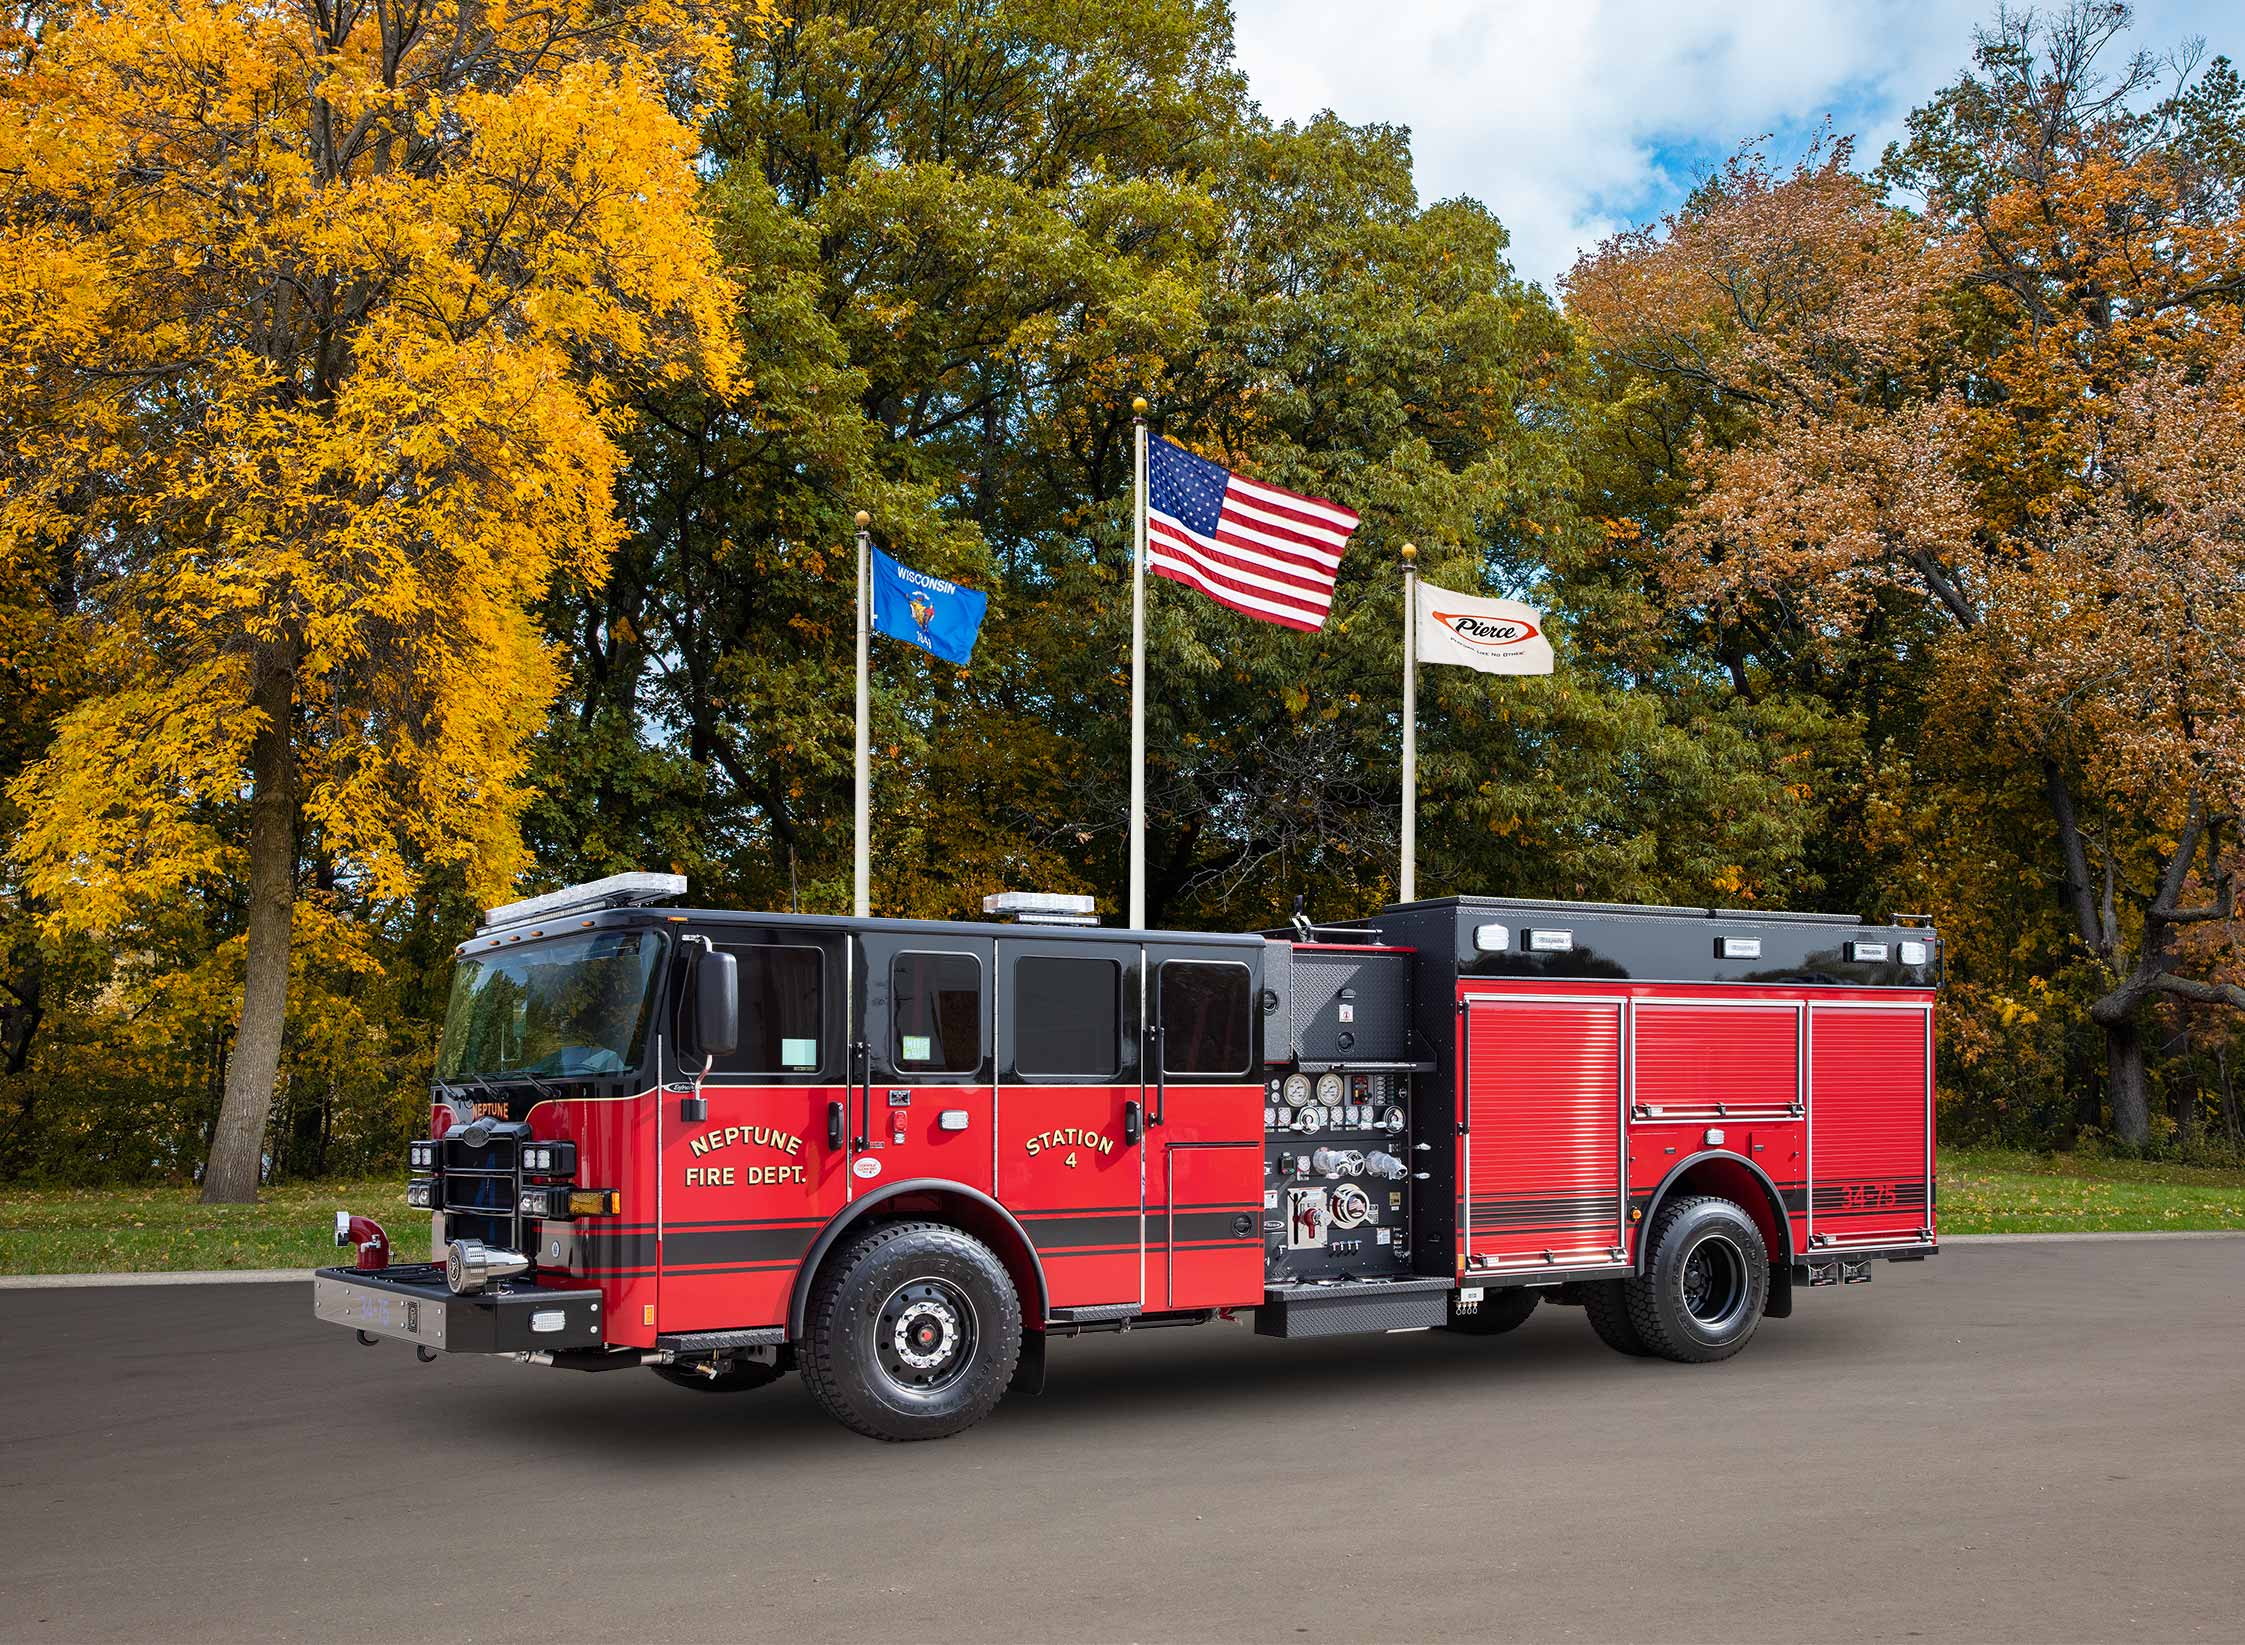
{"x":2000,"y":438}
{"x":316,"y":321}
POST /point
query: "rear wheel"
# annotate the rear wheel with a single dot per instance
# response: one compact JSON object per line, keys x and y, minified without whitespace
{"x":1702,"y":1293}
{"x":1500,"y":1311}
{"x":913,"y":1333}
{"x":1608,"y":1309}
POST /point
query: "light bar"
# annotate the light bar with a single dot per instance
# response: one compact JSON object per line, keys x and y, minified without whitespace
{"x":1020,"y":903}
{"x":617,"y":890}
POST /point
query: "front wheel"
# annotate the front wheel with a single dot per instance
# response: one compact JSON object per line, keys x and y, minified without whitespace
{"x":1702,"y":1293}
{"x":914,"y":1332}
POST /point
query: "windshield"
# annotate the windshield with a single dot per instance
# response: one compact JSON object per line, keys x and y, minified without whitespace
{"x":574,"y":1008}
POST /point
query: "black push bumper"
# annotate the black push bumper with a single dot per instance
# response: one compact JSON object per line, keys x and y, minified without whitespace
{"x":411,"y":1303}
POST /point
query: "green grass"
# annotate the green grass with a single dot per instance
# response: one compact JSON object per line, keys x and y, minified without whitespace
{"x":1995,"y":1191}
{"x":143,"y":1230}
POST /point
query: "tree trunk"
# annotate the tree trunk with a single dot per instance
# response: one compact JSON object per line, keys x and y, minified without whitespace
{"x":237,"y":1145}
{"x":2124,"y":1082}
{"x":2229,"y":1097}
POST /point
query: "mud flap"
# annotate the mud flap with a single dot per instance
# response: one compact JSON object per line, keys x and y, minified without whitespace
{"x":1029,"y":1372}
{"x":1780,"y":1303}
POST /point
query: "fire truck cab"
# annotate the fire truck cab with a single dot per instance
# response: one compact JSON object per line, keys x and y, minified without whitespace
{"x":905,"y":1155}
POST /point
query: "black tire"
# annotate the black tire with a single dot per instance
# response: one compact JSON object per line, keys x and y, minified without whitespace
{"x":737,"y":1378}
{"x":1500,"y":1311}
{"x":1702,"y":1293}
{"x":1608,"y":1309}
{"x":913,"y":1332}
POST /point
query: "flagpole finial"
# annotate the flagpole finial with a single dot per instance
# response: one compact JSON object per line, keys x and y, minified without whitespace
{"x":1409,"y":553}
{"x":863,"y":519}
{"x":1138,"y":406}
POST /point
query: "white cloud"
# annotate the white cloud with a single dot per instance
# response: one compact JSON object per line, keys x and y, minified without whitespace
{"x":1570,"y":118}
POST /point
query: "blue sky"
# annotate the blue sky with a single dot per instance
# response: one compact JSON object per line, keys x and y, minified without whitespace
{"x":1571,"y":118}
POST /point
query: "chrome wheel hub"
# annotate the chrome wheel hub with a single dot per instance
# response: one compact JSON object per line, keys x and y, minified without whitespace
{"x":925,"y":1335}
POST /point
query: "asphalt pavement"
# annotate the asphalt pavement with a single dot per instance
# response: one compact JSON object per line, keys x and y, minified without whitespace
{"x":2038,"y":1442}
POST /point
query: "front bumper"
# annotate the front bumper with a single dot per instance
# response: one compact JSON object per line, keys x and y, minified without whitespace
{"x":412,"y":1304}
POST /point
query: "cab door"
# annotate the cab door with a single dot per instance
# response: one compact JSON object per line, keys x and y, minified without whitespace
{"x":1071,"y":1117}
{"x":926,"y":1108}
{"x":750,"y":1178}
{"x":1204,"y":1128}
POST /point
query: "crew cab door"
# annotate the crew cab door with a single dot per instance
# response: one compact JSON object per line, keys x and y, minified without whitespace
{"x":926,"y":1107}
{"x":1071,"y":1113}
{"x":748,"y":1183}
{"x":1204,"y":1129}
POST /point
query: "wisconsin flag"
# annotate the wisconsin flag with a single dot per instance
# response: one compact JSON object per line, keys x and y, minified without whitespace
{"x":939,"y":617}
{"x":1495,"y":636}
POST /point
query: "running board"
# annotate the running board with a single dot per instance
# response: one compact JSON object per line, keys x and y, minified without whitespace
{"x":1350,"y":1309}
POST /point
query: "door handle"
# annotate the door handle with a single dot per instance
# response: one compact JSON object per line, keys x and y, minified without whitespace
{"x":1161,"y":1081}
{"x":863,"y":1052}
{"x":836,"y":1124}
{"x":1134,"y":1122}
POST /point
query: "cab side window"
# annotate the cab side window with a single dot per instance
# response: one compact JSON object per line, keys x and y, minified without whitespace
{"x":783,"y":1011}
{"x":1067,"y":1017}
{"x":1205,"y":1025}
{"x":935,"y":1013}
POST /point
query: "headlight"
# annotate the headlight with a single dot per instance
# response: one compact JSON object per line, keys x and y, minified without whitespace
{"x":420,"y":1193}
{"x":550,"y":1159}
{"x":421,"y":1156}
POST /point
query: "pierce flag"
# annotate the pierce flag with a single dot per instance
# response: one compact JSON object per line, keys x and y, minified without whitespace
{"x":1494,"y":636}
{"x":939,"y":617}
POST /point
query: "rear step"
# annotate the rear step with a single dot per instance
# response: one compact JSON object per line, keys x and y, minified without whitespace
{"x":1342,"y":1309}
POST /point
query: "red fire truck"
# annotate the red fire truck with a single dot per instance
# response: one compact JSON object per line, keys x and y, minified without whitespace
{"x":905,"y":1155}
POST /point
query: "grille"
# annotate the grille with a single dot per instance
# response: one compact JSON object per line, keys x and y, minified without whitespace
{"x":480,"y":1192}
{"x":495,"y":1155}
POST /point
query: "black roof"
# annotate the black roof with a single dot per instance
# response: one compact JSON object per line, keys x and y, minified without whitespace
{"x":1533,"y":905}
{"x":552,"y":923}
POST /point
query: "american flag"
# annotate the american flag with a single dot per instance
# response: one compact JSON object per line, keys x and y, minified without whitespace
{"x":1270,"y":553}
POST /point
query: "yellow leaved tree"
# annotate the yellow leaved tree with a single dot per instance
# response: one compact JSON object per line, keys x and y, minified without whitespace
{"x":318,"y":320}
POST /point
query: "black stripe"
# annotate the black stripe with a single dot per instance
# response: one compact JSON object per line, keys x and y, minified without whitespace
{"x":1060,"y":1232}
{"x":608,"y":1250}
{"x":1562,"y":1206}
{"x":1216,"y":1225}
{"x":753,"y":1245}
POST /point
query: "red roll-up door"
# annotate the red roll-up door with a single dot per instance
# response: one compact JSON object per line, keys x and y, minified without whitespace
{"x":1869,"y":1124}
{"x":1541,"y":1158}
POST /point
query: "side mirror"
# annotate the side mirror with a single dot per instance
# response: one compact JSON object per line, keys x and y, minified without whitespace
{"x":717,"y":1003}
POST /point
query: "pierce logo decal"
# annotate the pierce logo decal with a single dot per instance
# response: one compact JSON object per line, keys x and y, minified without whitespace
{"x":1487,"y":634}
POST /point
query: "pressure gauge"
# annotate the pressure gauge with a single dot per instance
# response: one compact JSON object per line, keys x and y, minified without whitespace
{"x":1297,"y":1089}
{"x":1307,"y":1120}
{"x":1329,"y":1089}
{"x":1392,"y":1121}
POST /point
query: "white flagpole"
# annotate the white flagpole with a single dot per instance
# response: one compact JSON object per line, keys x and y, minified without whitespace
{"x":1138,"y":676}
{"x":1409,"y":888}
{"x":862,"y":902}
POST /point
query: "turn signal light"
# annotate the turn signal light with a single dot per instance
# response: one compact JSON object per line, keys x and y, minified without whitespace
{"x":596,"y":1202}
